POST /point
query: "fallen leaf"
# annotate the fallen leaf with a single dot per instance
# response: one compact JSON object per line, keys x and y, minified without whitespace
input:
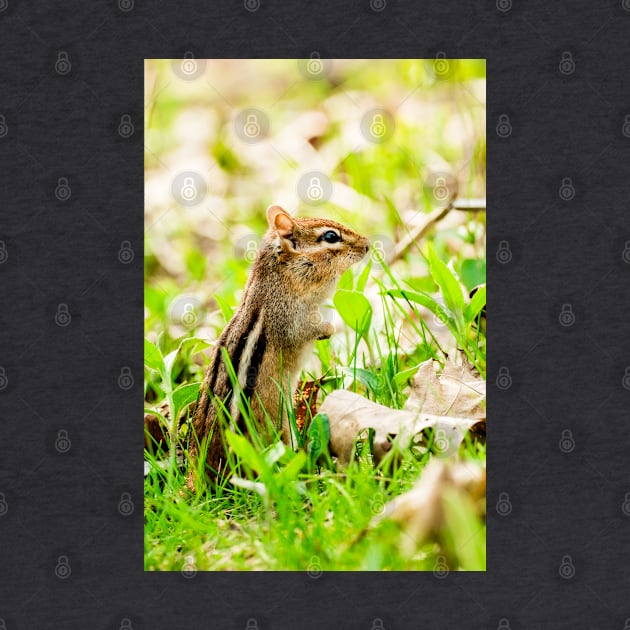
{"x":421,"y":511}
{"x":456,"y":391}
{"x":305,"y":402}
{"x":349,"y":414}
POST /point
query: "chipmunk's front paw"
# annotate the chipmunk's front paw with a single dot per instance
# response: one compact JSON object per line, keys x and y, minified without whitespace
{"x":326,"y":331}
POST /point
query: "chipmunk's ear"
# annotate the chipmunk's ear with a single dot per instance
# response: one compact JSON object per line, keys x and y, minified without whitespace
{"x":280,"y":220}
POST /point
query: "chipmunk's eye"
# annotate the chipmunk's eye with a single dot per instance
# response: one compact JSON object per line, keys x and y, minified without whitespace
{"x":330,"y":237}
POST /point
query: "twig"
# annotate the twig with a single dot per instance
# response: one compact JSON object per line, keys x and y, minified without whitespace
{"x":419,"y":231}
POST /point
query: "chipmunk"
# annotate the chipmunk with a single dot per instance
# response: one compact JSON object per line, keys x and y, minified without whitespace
{"x":297,"y":267}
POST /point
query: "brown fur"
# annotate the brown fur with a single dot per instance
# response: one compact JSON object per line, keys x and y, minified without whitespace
{"x":274,"y":326}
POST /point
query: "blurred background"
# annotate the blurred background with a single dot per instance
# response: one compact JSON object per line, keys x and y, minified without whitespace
{"x":374,"y":144}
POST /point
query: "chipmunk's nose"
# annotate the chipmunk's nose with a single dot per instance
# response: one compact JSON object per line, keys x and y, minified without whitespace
{"x":367,"y":246}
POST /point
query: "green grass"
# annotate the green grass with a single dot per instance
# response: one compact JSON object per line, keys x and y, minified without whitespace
{"x":287,"y":511}
{"x":292,"y":509}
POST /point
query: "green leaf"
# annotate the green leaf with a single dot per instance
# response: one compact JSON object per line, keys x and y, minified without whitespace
{"x":363,"y":277}
{"x":473,"y":272}
{"x":449,"y":286}
{"x":318,"y":438}
{"x":367,"y":377}
{"x":169,"y":362}
{"x":428,"y":302}
{"x":462,"y":524}
{"x":153,"y":358}
{"x":355,"y":309}
{"x":422,"y":283}
{"x":401,"y":378}
{"x":193,"y":345}
{"x":248,"y":455}
{"x":226,"y":308}
{"x":274,"y":453}
{"x":157,"y":414}
{"x":184,"y":395}
{"x":477,"y":302}
{"x":291,"y":471}
{"x":346,"y":281}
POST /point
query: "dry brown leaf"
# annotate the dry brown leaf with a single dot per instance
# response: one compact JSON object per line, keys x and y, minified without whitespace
{"x":305,"y":403}
{"x":349,"y":414}
{"x":420,"y":512}
{"x":456,"y":391}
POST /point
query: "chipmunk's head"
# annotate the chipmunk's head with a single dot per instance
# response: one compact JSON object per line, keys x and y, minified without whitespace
{"x":316,"y":251}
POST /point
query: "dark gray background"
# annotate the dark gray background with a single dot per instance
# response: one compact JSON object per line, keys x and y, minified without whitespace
{"x":557,"y":550}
